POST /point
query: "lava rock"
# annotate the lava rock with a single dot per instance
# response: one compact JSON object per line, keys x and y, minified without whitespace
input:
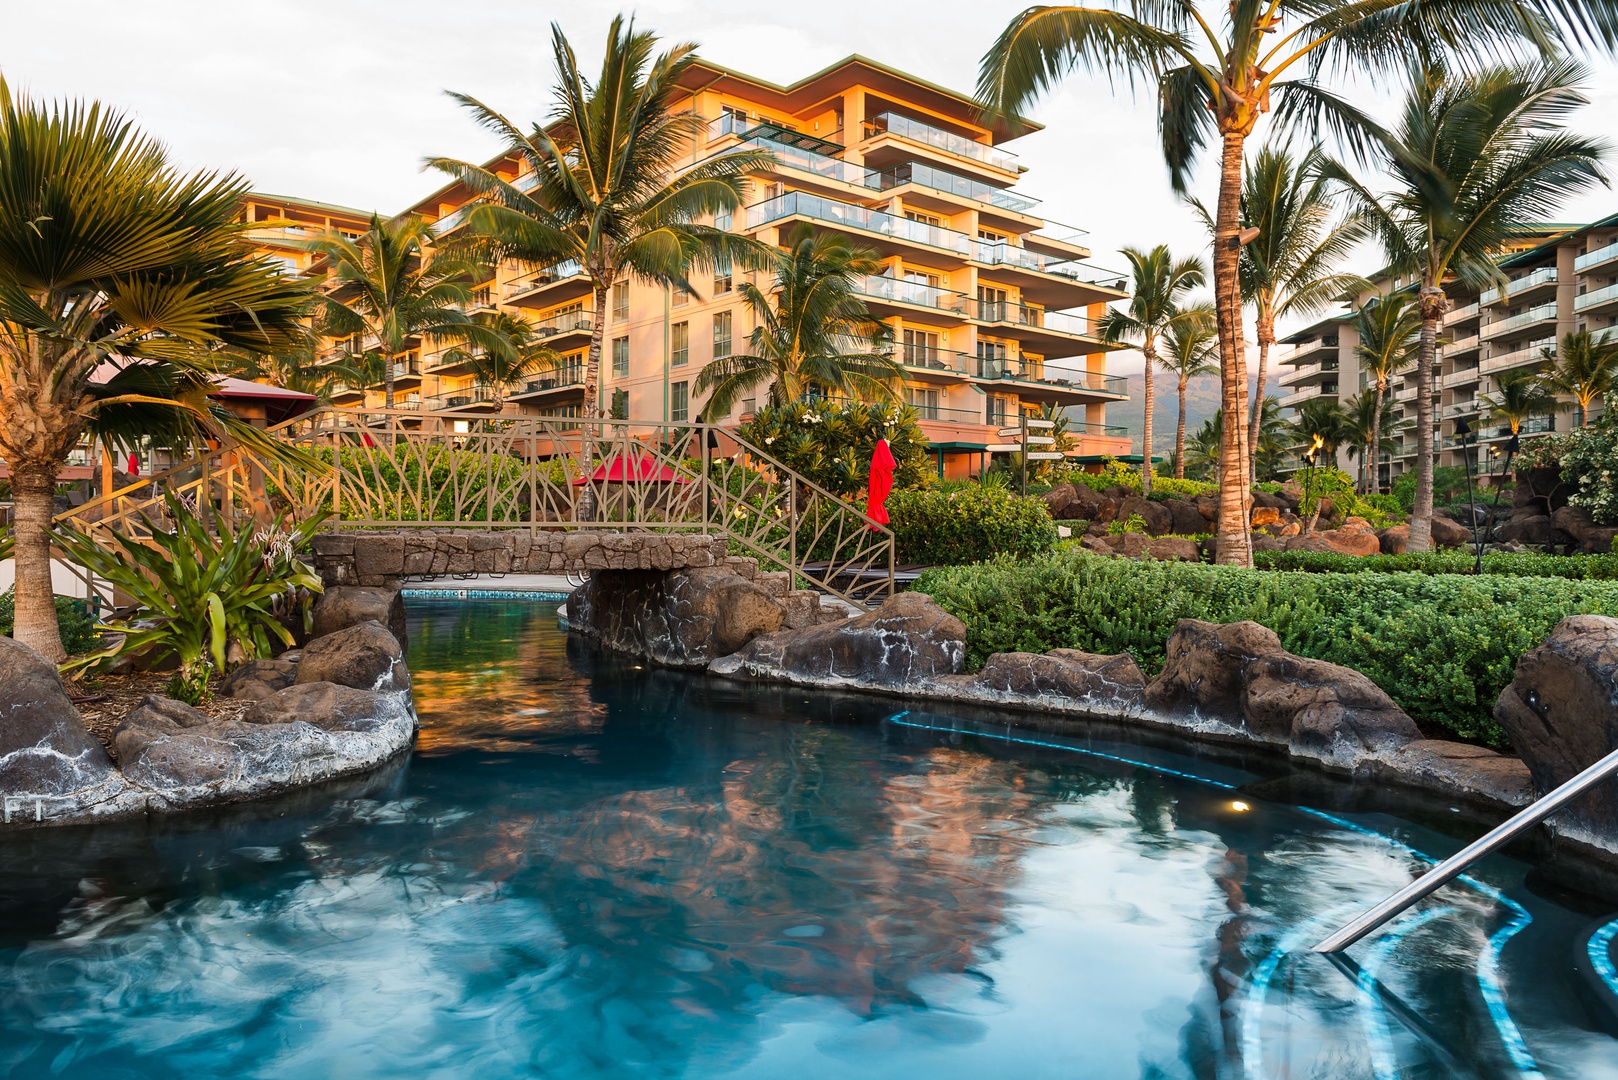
{"x":1352,"y":541}
{"x":1460,"y":770}
{"x":1204,"y":670}
{"x":342,"y":606}
{"x":1527,"y":528}
{"x":907,"y":640}
{"x":259,"y":679}
{"x":1107,"y":685}
{"x":328,"y":706}
{"x":678,"y":618}
{"x":1448,"y":533}
{"x":1187,"y":519}
{"x":45,"y":749}
{"x":1174,"y":549}
{"x":1321,"y":710}
{"x":1394,"y":540}
{"x":1159,"y":521}
{"x":366,"y":657}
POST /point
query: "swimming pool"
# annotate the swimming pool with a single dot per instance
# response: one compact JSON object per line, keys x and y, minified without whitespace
{"x":590,"y":868}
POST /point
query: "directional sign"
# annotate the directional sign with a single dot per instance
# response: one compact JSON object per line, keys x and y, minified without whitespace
{"x":1003,"y":448}
{"x":1009,"y":432}
{"x":1040,"y":440}
{"x":1045,"y":456}
{"x":1042,"y":424}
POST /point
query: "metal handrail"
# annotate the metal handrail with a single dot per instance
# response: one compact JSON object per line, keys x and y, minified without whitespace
{"x":1456,"y":864}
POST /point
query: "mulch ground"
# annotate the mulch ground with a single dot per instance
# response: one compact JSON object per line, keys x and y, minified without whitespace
{"x":117,"y":695}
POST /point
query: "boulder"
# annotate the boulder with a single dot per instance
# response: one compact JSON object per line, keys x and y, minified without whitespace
{"x":1096,"y":544}
{"x":1085,"y":505}
{"x":1130,"y":545}
{"x":1174,"y":549}
{"x":1106,"y":685}
{"x":1158,"y":520}
{"x":907,"y":640}
{"x":1460,"y":770}
{"x":1394,"y":539}
{"x":1187,"y":520}
{"x":1342,"y":541}
{"x":1321,"y":710}
{"x":1057,"y":500}
{"x":1106,"y":509}
{"x":366,"y":657}
{"x":1208,"y":507}
{"x":1561,"y":712}
{"x":45,"y":749}
{"x":1204,"y":670}
{"x":679,"y":618}
{"x":1448,"y":533}
{"x":342,"y":606}
{"x":1575,"y":521}
{"x":1543,"y":489}
{"x":259,"y":679}
{"x":1266,"y":543}
{"x":328,"y":706}
{"x":378,"y":559}
{"x":1530,"y":528}
{"x":1355,"y":524}
{"x":1598,"y":539}
{"x":1265,"y":515}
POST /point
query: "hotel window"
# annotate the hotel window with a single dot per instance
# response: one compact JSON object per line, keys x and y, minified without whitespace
{"x":722,"y":322}
{"x":681,"y":298}
{"x":723,"y":282}
{"x":679,"y":402}
{"x":723,"y":220}
{"x":620,"y":301}
{"x":925,"y":402}
{"x":620,"y":358}
{"x":680,"y":344}
{"x":925,"y":219}
{"x":924,"y":277}
{"x":921,"y":349}
{"x":991,"y":236}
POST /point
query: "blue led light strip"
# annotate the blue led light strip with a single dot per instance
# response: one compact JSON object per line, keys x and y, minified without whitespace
{"x":1600,"y":949}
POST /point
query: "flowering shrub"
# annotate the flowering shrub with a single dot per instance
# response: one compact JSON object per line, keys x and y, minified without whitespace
{"x":1590,"y":463}
{"x":968,"y":524}
{"x":831,"y":442}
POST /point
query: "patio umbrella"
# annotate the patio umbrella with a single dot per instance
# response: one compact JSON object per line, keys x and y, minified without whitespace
{"x":620,"y":470}
{"x":882,"y":464}
{"x":134,"y":464}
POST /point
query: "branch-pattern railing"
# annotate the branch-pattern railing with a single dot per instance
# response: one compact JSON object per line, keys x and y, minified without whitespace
{"x":400,"y":469}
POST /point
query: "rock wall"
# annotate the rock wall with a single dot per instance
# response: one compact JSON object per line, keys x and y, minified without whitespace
{"x":384,"y":559}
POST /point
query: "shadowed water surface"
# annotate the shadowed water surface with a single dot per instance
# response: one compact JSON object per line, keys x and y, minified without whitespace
{"x":589,"y":869}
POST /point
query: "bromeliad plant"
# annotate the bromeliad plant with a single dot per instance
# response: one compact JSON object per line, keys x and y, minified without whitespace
{"x":207,"y":601}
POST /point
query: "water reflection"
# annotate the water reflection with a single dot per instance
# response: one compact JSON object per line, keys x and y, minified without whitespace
{"x":591,"y":870}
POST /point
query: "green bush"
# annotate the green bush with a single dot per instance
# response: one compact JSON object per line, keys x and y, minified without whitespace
{"x":1442,"y":646}
{"x":831,"y":443}
{"x":1116,"y":474}
{"x":968,"y":524}
{"x":1449,"y":486}
{"x":73,"y":620}
{"x":1527,"y":564}
{"x":1590,"y":463}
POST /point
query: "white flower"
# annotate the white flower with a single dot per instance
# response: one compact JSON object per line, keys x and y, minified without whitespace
{"x":769,"y":441}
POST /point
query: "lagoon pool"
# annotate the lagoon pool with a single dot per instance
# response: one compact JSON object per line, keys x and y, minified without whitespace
{"x":592,"y":869}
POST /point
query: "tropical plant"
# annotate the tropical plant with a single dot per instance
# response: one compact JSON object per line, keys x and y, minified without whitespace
{"x":816,"y":336}
{"x":967,"y":523}
{"x":300,"y":369}
{"x":1323,"y":418}
{"x":207,"y":598}
{"x":1582,"y":367}
{"x":1190,"y":351}
{"x":122,"y":282}
{"x":1273,"y":440}
{"x":1520,"y":395}
{"x":831,"y":442}
{"x":1389,"y":332}
{"x":1215,"y":69}
{"x":1588,"y":458}
{"x":613,"y":194}
{"x":513,"y":352}
{"x":1160,"y":282}
{"x":391,"y":285}
{"x":1474,"y":158}
{"x":1202,"y":451}
{"x":1369,"y":420}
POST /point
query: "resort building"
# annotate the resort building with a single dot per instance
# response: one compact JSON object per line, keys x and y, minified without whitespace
{"x":991,"y":310}
{"x":1562,"y":278}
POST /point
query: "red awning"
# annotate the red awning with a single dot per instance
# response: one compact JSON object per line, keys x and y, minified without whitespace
{"x":644,"y":469}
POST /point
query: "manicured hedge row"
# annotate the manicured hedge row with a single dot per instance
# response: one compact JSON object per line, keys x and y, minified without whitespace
{"x":968,"y":524}
{"x":1525,"y":564}
{"x":1442,"y":646}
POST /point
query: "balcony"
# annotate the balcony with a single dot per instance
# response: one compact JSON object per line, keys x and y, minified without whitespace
{"x":848,"y":216}
{"x":1461,"y":314}
{"x":1531,"y":353}
{"x":1461,"y":346}
{"x":938,"y":414}
{"x":1596,"y":299}
{"x":1545,"y":275}
{"x":1462,"y":377}
{"x":927,"y":358}
{"x":1599,"y":257}
{"x":1526,"y":320}
{"x":566,"y":376}
{"x":565,"y":323}
{"x":1000,"y":253}
{"x":803,"y":155}
{"x":1106,"y":431}
{"x":1304,"y":373}
{"x":914,"y":172}
{"x":1040,"y":382}
{"x":1293,"y":400}
{"x":406,"y":370}
{"x":479,"y":394}
{"x":1316,"y":345}
{"x":913,"y":294}
{"x":950,"y":143}
{"x":547,"y":285}
{"x":1469,"y":407}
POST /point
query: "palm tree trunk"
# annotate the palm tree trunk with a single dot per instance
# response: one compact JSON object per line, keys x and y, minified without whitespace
{"x":1374,"y":471}
{"x":1421,"y":516}
{"x":592,"y":363}
{"x":34,"y":491}
{"x":1149,"y":351}
{"x":1266,"y":338}
{"x":1234,"y":544}
{"x":1179,"y":438}
{"x":387,"y":379}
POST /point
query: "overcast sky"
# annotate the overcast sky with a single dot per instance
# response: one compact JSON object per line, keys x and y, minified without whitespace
{"x":341,"y":100}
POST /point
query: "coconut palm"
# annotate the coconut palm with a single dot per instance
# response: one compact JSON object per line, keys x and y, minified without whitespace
{"x":122,"y":284}
{"x":1389,"y":332}
{"x":1371,"y":420}
{"x":815,"y":336}
{"x":1321,"y":417}
{"x":1582,"y":367}
{"x":509,"y":351}
{"x":1160,"y":284}
{"x":391,"y":285}
{"x":300,"y":369}
{"x":1473,"y":159}
{"x":1190,"y":351}
{"x":614,"y":194}
{"x":1216,"y":68}
{"x":1202,"y":449}
{"x":1273,"y":438}
{"x":1521,"y":394}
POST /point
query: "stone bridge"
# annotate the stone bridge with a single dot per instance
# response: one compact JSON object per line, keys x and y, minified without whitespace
{"x":387,"y":558}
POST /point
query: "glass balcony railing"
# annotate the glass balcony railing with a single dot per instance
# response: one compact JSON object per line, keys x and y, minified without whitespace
{"x":932,"y":359}
{"x":878,"y":287}
{"x":1003,"y":311}
{"x":1110,"y":431}
{"x":563,"y":375}
{"x":1533,"y":315}
{"x":1544,"y":275}
{"x":805,"y":160}
{"x":566,"y":322}
{"x":547,"y":275}
{"x":914,"y":172}
{"x":1532,"y":352}
{"x":1599,"y":255}
{"x":1020,"y":369}
{"x":941,"y":414}
{"x":802,"y":204}
{"x":475,"y":394}
{"x":948,"y":141}
{"x":1595,"y":297}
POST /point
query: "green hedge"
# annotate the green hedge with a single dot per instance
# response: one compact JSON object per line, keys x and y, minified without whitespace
{"x":73,"y":620}
{"x":968,"y":524}
{"x":1526,"y":564}
{"x":1442,"y":646}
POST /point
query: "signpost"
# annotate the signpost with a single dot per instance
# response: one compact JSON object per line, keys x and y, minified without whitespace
{"x":1024,"y":441}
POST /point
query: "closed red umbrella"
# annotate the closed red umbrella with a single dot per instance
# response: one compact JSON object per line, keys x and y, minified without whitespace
{"x":134,"y":464}
{"x":882,"y":464}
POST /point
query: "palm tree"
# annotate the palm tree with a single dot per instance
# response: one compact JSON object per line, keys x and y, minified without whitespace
{"x":1389,"y":332}
{"x":1522,"y":395}
{"x":1160,"y":283}
{"x":1370,"y":421}
{"x":391,"y":285}
{"x":613,"y":193}
{"x":1473,"y":159}
{"x":1202,"y":449}
{"x":122,"y":282}
{"x":300,"y":369}
{"x":1325,"y":418}
{"x":1583,"y":368}
{"x":1190,"y":351}
{"x":817,"y":334}
{"x":1216,"y":68}
{"x":509,"y":352}
{"x":1273,"y":438}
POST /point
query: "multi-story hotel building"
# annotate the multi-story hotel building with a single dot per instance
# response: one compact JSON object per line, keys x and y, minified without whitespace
{"x":1561,"y":278}
{"x":991,"y":312}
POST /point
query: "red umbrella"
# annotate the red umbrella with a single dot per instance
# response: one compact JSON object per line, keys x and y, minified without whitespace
{"x":134,"y":464}
{"x":882,"y":464}
{"x":620,"y":470}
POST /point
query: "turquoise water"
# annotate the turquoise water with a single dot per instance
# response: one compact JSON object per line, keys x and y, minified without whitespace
{"x":589,"y":869}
